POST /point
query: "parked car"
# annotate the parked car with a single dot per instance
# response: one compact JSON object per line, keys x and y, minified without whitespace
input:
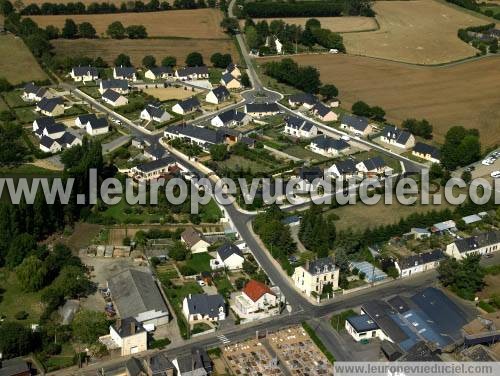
{"x":495,"y":174}
{"x":488,"y":161}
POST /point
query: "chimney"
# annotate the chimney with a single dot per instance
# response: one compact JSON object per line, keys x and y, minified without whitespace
{"x":132,"y":328}
{"x":307,"y":264}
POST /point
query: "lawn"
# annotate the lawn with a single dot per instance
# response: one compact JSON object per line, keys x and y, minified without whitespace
{"x":235,"y":161}
{"x":3,"y":105}
{"x":13,"y":99}
{"x":199,"y":262}
{"x":391,"y":162}
{"x":25,"y":114}
{"x":300,"y":152}
{"x":200,"y":328}
{"x":210,"y":213}
{"x":338,"y":320}
{"x":224,"y":286}
{"x":93,"y":91}
{"x":17,"y":64}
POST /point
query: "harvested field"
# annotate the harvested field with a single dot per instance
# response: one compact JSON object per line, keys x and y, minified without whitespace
{"x":165,"y":94}
{"x":193,"y":23}
{"x":336,"y":24}
{"x":17,"y":64}
{"x":109,"y":49}
{"x":460,"y":94}
{"x":86,"y":2}
{"x":421,"y":32}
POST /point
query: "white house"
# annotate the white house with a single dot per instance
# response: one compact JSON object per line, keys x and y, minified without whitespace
{"x":230,"y":82}
{"x":186,"y":106}
{"x":328,"y":146}
{"x":155,"y":113}
{"x":258,"y":110}
{"x":125,"y":73}
{"x":84,"y":74}
{"x":53,"y":130}
{"x":192,"y":73}
{"x":228,"y":256}
{"x":120,"y":86}
{"x":427,"y":152}
{"x":362,"y":327}
{"x":372,"y":166}
{"x":202,"y":307}
{"x":33,"y":93}
{"x":406,"y":266}
{"x":482,"y":244}
{"x":218,"y":95}
{"x":49,"y":145}
{"x":256,"y":297}
{"x":233,"y":70}
{"x":114,"y":98}
{"x":302,"y":100}
{"x":97,"y":127}
{"x":51,"y":106}
{"x":324,"y":113}
{"x":230,"y":118}
{"x":153,"y":169}
{"x":129,"y":335}
{"x":397,"y":137}
{"x":193,"y":239}
{"x":300,"y":128}
{"x":342,"y":169}
{"x":315,"y":275}
{"x":41,"y":123}
{"x":355,"y":124}
{"x":159,"y":72}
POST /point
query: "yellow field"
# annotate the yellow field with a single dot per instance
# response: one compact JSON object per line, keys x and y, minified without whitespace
{"x":17,"y":64}
{"x":419,"y":31}
{"x":165,"y":94}
{"x":336,"y":24}
{"x":192,"y":23}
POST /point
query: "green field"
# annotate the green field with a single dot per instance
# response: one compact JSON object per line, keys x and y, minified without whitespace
{"x":199,"y":262}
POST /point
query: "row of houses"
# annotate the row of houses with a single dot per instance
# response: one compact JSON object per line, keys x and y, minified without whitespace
{"x":53,"y":136}
{"x":315,"y":106}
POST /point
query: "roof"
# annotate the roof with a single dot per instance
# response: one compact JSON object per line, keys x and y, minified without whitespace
{"x":221,"y":92}
{"x":442,"y":226}
{"x":374,"y":163}
{"x":261,"y":107}
{"x":205,"y":134}
{"x":421,"y":259}
{"x":31,"y":88}
{"x":135,"y":292}
{"x":159,"y":364}
{"x":400,"y":136}
{"x":321,"y":109}
{"x":187,"y":71}
{"x":347,"y":166}
{"x":98,"y":123}
{"x":66,"y":139}
{"x":321,"y":265}
{"x":85,"y":118}
{"x":478,"y":241}
{"x":422,"y":148}
{"x":255,"y":290}
{"x":231,"y":115}
{"x":206,"y":305}
{"x":47,"y":142}
{"x":227,"y":78}
{"x":154,"y":111}
{"x":303,"y":98}
{"x":310,"y":173}
{"x":114,"y":84}
{"x":45,"y":121}
{"x":84,"y":71}
{"x":420,"y":352}
{"x":382,"y":314}
{"x":122,"y":71}
{"x":472,"y":219}
{"x":231,"y":67}
{"x":155,"y":165}
{"x":54,"y":128}
{"x":48,"y":104}
{"x":189,"y":104}
{"x":326,"y":143}
{"x":298,"y":123}
{"x":111,"y":95}
{"x":15,"y":366}
{"x":227,"y":250}
{"x":127,"y":327}
{"x":356,"y":122}
{"x":291,"y":219}
{"x":191,"y":236}
{"x":161,"y":70}
{"x":156,"y":151}
{"x":362,"y":323}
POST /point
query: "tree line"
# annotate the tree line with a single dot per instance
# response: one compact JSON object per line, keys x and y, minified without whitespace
{"x":473,"y":5}
{"x":484,"y":46}
{"x":305,"y":78}
{"x":115,"y":30}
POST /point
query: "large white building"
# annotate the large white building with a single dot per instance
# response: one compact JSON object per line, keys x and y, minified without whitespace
{"x":407,"y":266}
{"x":315,"y":275}
{"x":202,"y":307}
{"x":482,"y":244}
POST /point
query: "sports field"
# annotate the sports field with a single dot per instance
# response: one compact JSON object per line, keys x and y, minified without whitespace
{"x":192,"y":23}
{"x":336,"y":24}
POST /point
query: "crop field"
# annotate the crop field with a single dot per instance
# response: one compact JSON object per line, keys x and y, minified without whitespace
{"x":192,"y":23}
{"x":417,"y":31}
{"x":17,"y":64}
{"x":460,"y":94}
{"x":169,"y":93}
{"x":336,"y":24}
{"x":109,"y":49}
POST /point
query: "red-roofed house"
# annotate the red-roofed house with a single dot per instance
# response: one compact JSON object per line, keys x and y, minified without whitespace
{"x":256,"y":297}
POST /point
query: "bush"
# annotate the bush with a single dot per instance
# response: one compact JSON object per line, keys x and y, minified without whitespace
{"x":187,"y":270}
{"x":53,"y":348}
{"x":21,"y":315}
{"x":159,"y":343}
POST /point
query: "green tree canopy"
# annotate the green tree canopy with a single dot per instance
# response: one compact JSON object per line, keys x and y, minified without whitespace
{"x":194,"y":59}
{"x":116,"y":30}
{"x":88,"y":326}
{"x":31,"y":274}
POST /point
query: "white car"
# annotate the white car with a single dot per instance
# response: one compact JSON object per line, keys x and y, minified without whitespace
{"x":488,"y":162}
{"x":346,"y":138}
{"x":495,"y":174}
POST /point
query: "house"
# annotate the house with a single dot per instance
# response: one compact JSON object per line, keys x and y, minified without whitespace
{"x":52,"y":130}
{"x":342,"y":169}
{"x":97,"y":127}
{"x":15,"y":367}
{"x":255,"y":297}
{"x":51,"y":106}
{"x":372,"y":166}
{"x":355,"y":124}
{"x":155,"y":152}
{"x":53,"y":141}
{"x":233,"y":70}
{"x":155,"y":113}
{"x":324,"y":113}
{"x":230,"y":118}
{"x":197,"y":363}
{"x":136,"y":294}
{"x":130,"y":367}
{"x":397,"y":137}
{"x":124,"y":73}
{"x":34,"y":93}
{"x":159,"y":365}
{"x":427,"y":152}
{"x":482,"y":244}
{"x":192,"y":73}
{"x":202,"y":307}
{"x":218,"y":95}
{"x":159,"y":72}
{"x":68,"y":140}
{"x":49,"y":145}
{"x":305,"y":178}
{"x":186,"y":106}
{"x":120,"y":86}
{"x":153,"y":169}
{"x":328,"y":146}
{"x":418,"y":233}
{"x":202,"y":137}
{"x":305,"y":100}
{"x":41,"y":123}
{"x":84,"y":74}
{"x":315,"y":275}
{"x":444,"y":227}
{"x":228,"y":256}
{"x":258,"y":110}
{"x":406,"y":266}
{"x":230,"y":82}
{"x":300,"y":128}
{"x":193,"y":239}
{"x":129,"y":335}
{"x":82,"y":120}
{"x":114,"y":98}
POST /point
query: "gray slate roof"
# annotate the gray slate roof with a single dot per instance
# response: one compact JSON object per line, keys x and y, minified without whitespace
{"x":321,"y":109}
{"x":231,"y":115}
{"x":190,"y":104}
{"x":421,"y":258}
{"x":84,"y":71}
{"x":111,"y":95}
{"x":98,"y":123}
{"x":422,"y":148}
{"x":325,"y":143}
{"x":321,"y":265}
{"x":187,"y":71}
{"x":48,"y":104}
{"x":478,"y":241}
{"x":227,"y":250}
{"x":47,"y":141}
{"x":154,"y":111}
{"x":127,"y":72}
{"x":346,"y":167}
{"x":206,"y":305}
{"x":159,"y":364}
{"x":400,"y":136}
{"x":374,"y":163}
{"x":45,"y":121}
{"x":227,"y":78}
{"x":262,"y":107}
{"x":356,"y":122}
{"x":221,"y":93}
{"x":303,"y":98}
{"x":162,"y":70}
{"x":114,"y":84}
{"x":156,"y":164}
{"x":298,"y":123}
{"x":208,"y":135}
{"x":362,"y":323}
{"x":124,"y":327}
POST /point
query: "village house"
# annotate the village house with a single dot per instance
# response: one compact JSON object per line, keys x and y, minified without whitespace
{"x":230,"y":118}
{"x":300,"y":128}
{"x":34,"y":93}
{"x":372,"y":166}
{"x":356,"y":124}
{"x":159,"y":72}
{"x":51,"y":130}
{"x":202,"y":307}
{"x":256,"y":300}
{"x":155,"y":113}
{"x":482,"y":244}
{"x":342,"y":169}
{"x":51,"y":106}
{"x":120,"y":86}
{"x":328,"y":146}
{"x":159,"y":365}
{"x":315,"y":275}
{"x":125,"y":73}
{"x":93,"y":125}
{"x":228,"y":256}
{"x":427,"y":152}
{"x":84,"y":74}
{"x":218,"y":95}
{"x":408,"y":265}
{"x":114,"y":98}
{"x":186,"y":106}
{"x":153,"y":169}
{"x":418,"y":233}
{"x":306,"y":176}
{"x":194,"y":241}
{"x":129,"y":335}
{"x":324,"y":113}
{"x":233,"y":70}
{"x":305,"y":100}
{"x":53,"y":145}
{"x":230,"y":82}
{"x":259,"y":110}
{"x":49,"y":145}
{"x":197,"y":363}
{"x":192,"y":73}
{"x":154,"y":152}
{"x":397,"y":137}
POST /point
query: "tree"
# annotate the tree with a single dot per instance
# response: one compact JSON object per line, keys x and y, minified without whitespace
{"x":31,"y":274}
{"x":194,"y":59}
{"x":5,"y":85}
{"x":221,"y":60}
{"x":245,"y":80}
{"x":249,"y":267}
{"x":328,"y":91}
{"x":116,"y":30}
{"x":169,"y":61}
{"x":88,"y":326}
{"x":16,"y":340}
{"x":466,"y":176}
{"x":123,"y":60}
{"x":86,"y":30}
{"x":230,"y":25}
{"x":20,"y":246}
{"x":360,"y":108}
{"x":420,"y":128}
{"x":6,"y":7}
{"x":177,"y":251}
{"x":460,"y":148}
{"x":464,"y":277}
{"x":253,"y":38}
{"x":136,"y":32}
{"x":38,"y":44}
{"x":149,"y":61}
{"x":70,"y":30}
{"x":313,"y":23}
{"x":377,"y":113}
{"x":218,"y":152}
{"x":52,"y":32}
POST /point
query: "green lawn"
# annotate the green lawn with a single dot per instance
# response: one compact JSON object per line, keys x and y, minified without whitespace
{"x":13,"y":99}
{"x":300,"y":152}
{"x":224,"y":287}
{"x":235,"y":161}
{"x":3,"y":105}
{"x":391,"y":162}
{"x":215,"y":75}
{"x":338,"y":320}
{"x":27,"y":170}
{"x":200,"y":262}
{"x":210,"y":213}
{"x":25,"y":114}
{"x":200,"y":328}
